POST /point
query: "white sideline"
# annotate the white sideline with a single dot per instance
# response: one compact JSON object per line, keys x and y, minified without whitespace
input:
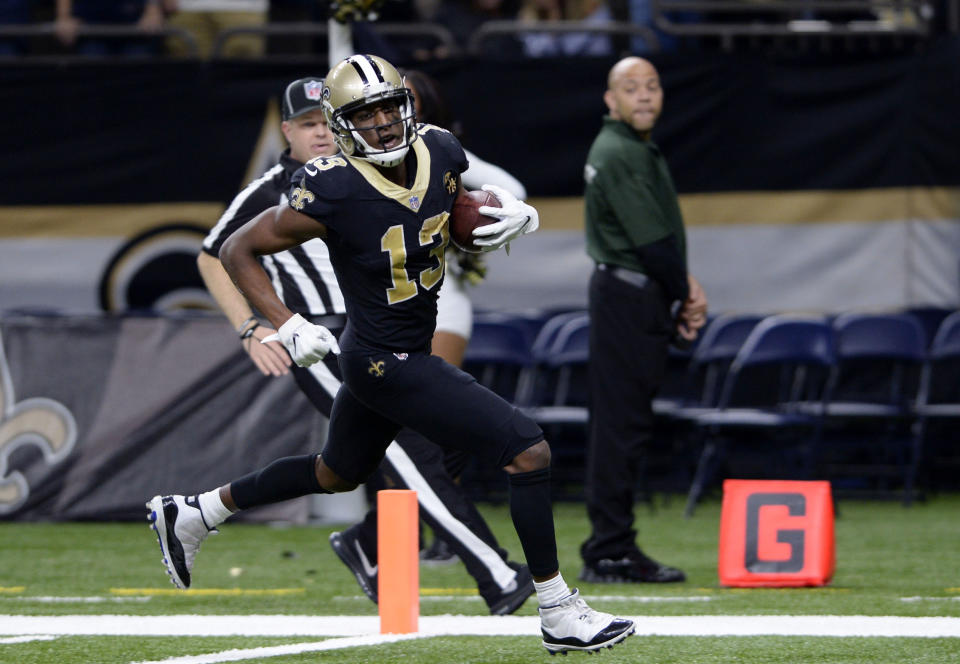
{"x":636,"y":599}
{"x":449,"y":625}
{"x":238,"y":654}
{"x":27,"y":639}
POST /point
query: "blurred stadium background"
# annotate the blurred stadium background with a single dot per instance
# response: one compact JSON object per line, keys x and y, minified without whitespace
{"x":814,"y":145}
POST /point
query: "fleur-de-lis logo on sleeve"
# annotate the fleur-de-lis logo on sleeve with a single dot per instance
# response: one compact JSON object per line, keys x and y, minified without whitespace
{"x":301,"y":196}
{"x":43,"y":423}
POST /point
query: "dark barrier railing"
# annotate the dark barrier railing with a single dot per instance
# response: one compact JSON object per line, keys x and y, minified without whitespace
{"x":101,"y":31}
{"x":492,"y":29}
{"x":728,"y":19}
{"x":434,"y":31}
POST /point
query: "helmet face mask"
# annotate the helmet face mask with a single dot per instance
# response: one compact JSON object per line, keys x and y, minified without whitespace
{"x":359,"y":81}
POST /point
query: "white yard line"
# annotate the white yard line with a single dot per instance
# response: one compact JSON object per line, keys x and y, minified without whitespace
{"x":651,"y":599}
{"x":337,"y":626}
{"x":354,"y":631}
{"x":638,"y":599}
{"x":86,"y":599}
{"x":238,"y":654}
{"x":27,"y":639}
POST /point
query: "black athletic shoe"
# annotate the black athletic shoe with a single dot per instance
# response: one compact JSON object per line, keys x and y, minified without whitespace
{"x":635,"y":567}
{"x":351,"y":553}
{"x":515,"y":595}
{"x":438,"y":553}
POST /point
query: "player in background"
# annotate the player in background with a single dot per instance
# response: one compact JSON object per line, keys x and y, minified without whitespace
{"x":382,"y":209}
{"x":303,"y":277}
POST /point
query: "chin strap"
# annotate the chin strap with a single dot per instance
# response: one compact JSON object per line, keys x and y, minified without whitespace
{"x":379,"y":161}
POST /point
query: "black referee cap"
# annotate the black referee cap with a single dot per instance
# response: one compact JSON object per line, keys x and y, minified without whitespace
{"x":302,"y":96}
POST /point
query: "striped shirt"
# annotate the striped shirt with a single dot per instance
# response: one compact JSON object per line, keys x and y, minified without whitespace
{"x":303,"y":276}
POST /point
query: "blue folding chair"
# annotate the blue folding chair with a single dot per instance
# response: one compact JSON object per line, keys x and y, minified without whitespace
{"x":873,"y":387}
{"x":877,"y":354}
{"x":930,"y":318}
{"x":783,"y":363}
{"x":559,"y":401}
{"x":938,"y":406}
{"x":564,"y":362}
{"x":497,"y":354}
{"x":538,"y":383}
{"x":711,"y":358}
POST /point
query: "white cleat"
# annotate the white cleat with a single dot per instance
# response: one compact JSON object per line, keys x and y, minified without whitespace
{"x":572,"y":625}
{"x":180,"y":529}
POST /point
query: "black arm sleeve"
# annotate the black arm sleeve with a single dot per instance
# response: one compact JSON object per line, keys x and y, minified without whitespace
{"x":663,"y":262}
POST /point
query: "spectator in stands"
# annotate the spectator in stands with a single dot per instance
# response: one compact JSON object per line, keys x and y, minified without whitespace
{"x":295,"y":11}
{"x":464,"y":17}
{"x":546,"y":44}
{"x":641,"y":297}
{"x":357,"y":14}
{"x":14,"y":12}
{"x":640,"y":12}
{"x":142,"y":15}
{"x":205,"y":19}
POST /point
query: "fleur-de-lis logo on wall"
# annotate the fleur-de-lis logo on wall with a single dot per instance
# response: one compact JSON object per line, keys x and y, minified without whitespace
{"x":43,"y":423}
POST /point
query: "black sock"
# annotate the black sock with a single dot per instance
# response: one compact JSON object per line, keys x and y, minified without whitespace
{"x":286,"y":478}
{"x":532,"y":514}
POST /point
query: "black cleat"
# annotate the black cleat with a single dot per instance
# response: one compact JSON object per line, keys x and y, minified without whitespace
{"x":438,"y":553}
{"x":348,"y":549}
{"x":513,"y":597}
{"x":635,"y":567}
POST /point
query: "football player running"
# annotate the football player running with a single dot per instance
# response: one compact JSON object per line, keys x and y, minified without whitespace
{"x":382,"y":208}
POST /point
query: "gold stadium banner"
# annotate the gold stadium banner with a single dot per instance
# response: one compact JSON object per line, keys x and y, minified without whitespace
{"x":556,"y":213}
{"x":108,"y":220}
{"x":784,"y":207}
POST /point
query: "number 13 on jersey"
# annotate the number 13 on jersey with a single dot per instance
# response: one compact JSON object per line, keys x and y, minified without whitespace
{"x":392,"y":242}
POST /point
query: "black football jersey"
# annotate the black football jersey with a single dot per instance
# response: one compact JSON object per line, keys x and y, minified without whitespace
{"x":386,"y":242}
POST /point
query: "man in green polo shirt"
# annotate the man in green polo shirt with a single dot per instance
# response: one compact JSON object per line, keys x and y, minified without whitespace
{"x":641,"y":299}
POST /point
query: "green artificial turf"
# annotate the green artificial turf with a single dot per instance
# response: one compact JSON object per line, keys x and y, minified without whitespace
{"x":891,"y":560}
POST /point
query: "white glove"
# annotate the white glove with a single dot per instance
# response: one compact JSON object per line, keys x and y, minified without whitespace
{"x":516,"y":218}
{"x":307,"y":343}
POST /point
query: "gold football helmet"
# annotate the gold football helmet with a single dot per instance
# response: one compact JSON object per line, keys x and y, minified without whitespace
{"x":352,"y":84}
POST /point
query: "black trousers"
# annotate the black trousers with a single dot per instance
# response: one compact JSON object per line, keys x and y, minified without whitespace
{"x":416,"y":463}
{"x":630,"y":333}
{"x":448,"y":512}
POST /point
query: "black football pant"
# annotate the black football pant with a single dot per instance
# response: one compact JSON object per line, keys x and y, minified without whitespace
{"x":630,"y":333}
{"x":448,"y":512}
{"x":414,"y":462}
